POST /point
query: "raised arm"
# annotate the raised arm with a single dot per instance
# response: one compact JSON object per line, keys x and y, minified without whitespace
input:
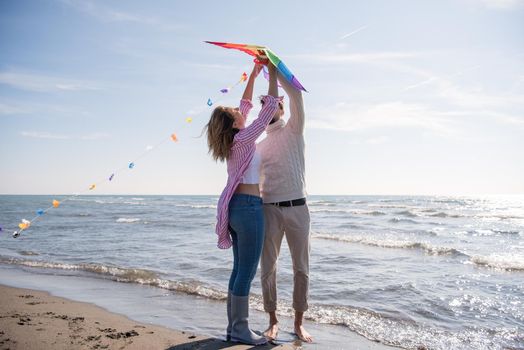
{"x":269,"y":108}
{"x":248,"y":92}
{"x":296,"y":121}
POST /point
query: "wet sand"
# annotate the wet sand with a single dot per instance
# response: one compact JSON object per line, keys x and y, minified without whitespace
{"x":32,"y":319}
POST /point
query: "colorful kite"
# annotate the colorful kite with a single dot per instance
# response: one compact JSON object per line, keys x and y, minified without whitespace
{"x":257,"y":51}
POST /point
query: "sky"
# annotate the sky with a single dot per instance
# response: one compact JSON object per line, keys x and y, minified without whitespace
{"x":404,"y":97}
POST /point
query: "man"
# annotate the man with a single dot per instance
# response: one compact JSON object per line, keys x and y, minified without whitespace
{"x":283,"y":190}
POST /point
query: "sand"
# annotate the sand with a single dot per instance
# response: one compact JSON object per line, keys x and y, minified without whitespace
{"x":32,"y":319}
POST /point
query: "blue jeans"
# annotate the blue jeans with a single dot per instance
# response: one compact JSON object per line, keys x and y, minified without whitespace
{"x":246,"y":224}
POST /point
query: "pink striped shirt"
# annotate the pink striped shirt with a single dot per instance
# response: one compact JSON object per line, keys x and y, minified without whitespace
{"x":241,"y":154}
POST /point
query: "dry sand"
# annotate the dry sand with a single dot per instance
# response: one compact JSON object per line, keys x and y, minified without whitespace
{"x":36,"y":320}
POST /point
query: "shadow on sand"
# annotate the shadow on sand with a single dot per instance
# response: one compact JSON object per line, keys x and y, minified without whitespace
{"x":216,"y":344}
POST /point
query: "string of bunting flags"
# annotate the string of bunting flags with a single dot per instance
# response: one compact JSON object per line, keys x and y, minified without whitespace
{"x":25,"y":224}
{"x":259,"y":52}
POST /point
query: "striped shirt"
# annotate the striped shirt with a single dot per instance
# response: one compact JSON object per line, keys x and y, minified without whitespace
{"x":242,"y":152}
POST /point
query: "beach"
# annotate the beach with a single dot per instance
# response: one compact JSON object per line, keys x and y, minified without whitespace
{"x":31,"y":319}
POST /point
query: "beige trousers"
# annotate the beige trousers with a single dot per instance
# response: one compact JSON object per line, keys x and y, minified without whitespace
{"x":293,"y":222}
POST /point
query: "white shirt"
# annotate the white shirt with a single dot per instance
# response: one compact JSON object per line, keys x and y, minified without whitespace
{"x":252,"y":174}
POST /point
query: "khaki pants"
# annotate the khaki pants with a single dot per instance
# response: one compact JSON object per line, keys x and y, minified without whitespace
{"x":293,"y":222}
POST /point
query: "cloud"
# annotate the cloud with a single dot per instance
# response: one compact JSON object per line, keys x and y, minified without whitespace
{"x":48,"y":135}
{"x":107,"y":14}
{"x":397,"y":114}
{"x":352,"y":117}
{"x":44,"y":83}
{"x":443,"y":89}
{"x":353,"y":32}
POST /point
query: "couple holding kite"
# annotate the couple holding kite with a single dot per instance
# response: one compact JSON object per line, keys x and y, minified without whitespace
{"x":263,"y":201}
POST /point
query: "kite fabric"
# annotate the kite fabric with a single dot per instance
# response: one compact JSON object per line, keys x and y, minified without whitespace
{"x":256,"y":51}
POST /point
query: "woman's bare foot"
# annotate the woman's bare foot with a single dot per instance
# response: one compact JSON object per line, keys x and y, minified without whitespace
{"x":271,"y":332}
{"x":302,"y":334}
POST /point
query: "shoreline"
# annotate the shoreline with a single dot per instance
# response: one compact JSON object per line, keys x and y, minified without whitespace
{"x":178,"y":321}
{"x":31,"y":319}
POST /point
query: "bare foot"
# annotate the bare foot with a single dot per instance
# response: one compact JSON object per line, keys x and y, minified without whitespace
{"x":271,"y":332}
{"x":303,"y":335}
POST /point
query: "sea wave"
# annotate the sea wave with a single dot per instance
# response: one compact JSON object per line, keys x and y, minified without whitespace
{"x":508,"y":261}
{"x":127,"y":220}
{"x":442,"y":214}
{"x":110,"y":200}
{"x":368,"y":212}
{"x":387,"y":206}
{"x":397,"y":220}
{"x":124,"y":274}
{"x":426,"y":247}
{"x":407,"y":213}
{"x":347,"y":211}
{"x":507,"y":232}
{"x":375,"y":326}
{"x":334,"y":211}
{"x":409,"y":334}
{"x":491,"y":232}
{"x":196,"y":206}
{"x":321,"y":203}
{"x":27,"y":253}
{"x":131,"y":203}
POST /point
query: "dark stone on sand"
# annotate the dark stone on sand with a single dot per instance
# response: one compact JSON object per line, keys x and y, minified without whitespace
{"x":128,"y":334}
{"x":107,"y":330}
{"x":27,"y":296}
{"x":93,"y":337}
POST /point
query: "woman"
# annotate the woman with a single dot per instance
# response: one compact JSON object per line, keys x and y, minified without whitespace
{"x":240,"y":215}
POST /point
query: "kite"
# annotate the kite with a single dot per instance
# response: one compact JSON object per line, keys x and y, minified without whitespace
{"x":262,"y":51}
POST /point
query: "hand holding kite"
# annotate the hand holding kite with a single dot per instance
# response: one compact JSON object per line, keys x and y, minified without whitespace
{"x":259,"y":52}
{"x":257,"y":69}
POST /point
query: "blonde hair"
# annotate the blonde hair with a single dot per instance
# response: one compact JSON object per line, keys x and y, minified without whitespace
{"x":220,"y":133}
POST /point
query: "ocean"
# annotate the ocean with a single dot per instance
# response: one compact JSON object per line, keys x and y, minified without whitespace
{"x":407,"y":271}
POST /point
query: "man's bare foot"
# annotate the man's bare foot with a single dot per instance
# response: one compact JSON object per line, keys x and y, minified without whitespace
{"x":271,"y":332}
{"x":302,"y":334}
